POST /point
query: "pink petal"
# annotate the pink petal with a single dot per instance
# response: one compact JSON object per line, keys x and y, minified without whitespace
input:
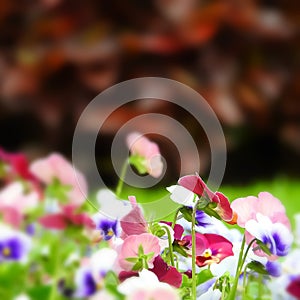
{"x":271,"y":207}
{"x":195,"y":184}
{"x":56,"y":166}
{"x":245,"y":209}
{"x":219,"y":244}
{"x":134,"y":222}
{"x":201,"y":242}
{"x":11,"y":215}
{"x":224,"y":210}
{"x":54,"y":221}
{"x":129,"y":248}
{"x":165,"y":273}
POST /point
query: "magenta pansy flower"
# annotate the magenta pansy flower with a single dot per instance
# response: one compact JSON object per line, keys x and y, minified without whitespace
{"x":294,"y":287}
{"x":67,"y":217}
{"x":139,"y":251}
{"x":210,"y":248}
{"x":147,"y":151}
{"x":17,"y":165}
{"x":55,"y":166}
{"x":165,"y":273}
{"x":195,"y":184}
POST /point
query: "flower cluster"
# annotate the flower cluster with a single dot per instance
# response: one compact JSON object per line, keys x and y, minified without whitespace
{"x":58,"y":245}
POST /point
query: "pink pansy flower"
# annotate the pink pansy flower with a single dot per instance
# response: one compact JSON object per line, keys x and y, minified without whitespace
{"x":147,"y":287}
{"x":195,"y":184}
{"x":265,"y":204}
{"x":138,"y":251}
{"x":210,"y":248}
{"x":149,"y":151}
{"x":66,"y":217}
{"x":14,"y":203}
{"x":55,"y":166}
{"x":134,"y":222}
{"x":264,"y":218}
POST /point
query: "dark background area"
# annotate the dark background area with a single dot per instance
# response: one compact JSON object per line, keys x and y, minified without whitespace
{"x":241,"y":56}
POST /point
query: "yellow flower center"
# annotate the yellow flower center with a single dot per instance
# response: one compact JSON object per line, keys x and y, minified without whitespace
{"x":207,"y":253}
{"x":110,"y":232}
{"x":6,"y":251}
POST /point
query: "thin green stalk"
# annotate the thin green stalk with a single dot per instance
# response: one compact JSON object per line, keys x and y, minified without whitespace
{"x":244,"y":283}
{"x":175,"y":217}
{"x":53,"y":293}
{"x":170,"y":246}
{"x":194,"y":286}
{"x":241,"y":261}
{"x":237,"y":273}
{"x":121,"y":179}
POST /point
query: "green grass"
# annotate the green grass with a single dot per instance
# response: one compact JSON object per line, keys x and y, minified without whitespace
{"x":287,"y":190}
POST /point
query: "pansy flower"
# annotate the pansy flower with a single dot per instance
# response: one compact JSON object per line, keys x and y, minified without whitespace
{"x":147,"y":286}
{"x":68,"y":216}
{"x":166,"y":273}
{"x":191,"y":188}
{"x":89,"y":278}
{"x":276,"y":236}
{"x":15,"y":202}
{"x":14,"y":166}
{"x":210,"y":248}
{"x":14,"y":245}
{"x":145,"y":155}
{"x":138,"y":252}
{"x":294,"y":287}
{"x":56,"y":167}
{"x":107,"y":227}
{"x":264,"y":218}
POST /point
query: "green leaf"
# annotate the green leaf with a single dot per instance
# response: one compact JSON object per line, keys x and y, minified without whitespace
{"x":138,"y":266}
{"x":186,"y":213}
{"x":263,"y":247}
{"x":257,"y":267}
{"x":39,"y":292}
{"x":132,"y":259}
{"x":202,"y":203}
{"x":56,"y":190}
{"x":149,"y":256}
{"x":203,"y":276}
{"x":186,"y":281}
{"x":211,"y":212}
{"x":140,"y":250}
{"x":179,"y":249}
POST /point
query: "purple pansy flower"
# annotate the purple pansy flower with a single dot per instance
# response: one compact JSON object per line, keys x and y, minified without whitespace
{"x":273,"y":268}
{"x":276,"y":236}
{"x":85,"y":282}
{"x":107,"y":227}
{"x":14,"y":245}
{"x":90,"y":277}
{"x":202,"y":219}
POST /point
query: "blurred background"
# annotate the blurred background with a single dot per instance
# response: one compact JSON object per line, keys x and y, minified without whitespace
{"x":241,"y":56}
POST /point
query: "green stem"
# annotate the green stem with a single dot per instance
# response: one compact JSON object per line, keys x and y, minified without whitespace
{"x":237,"y":273}
{"x":175,"y":217}
{"x":194,"y":287}
{"x":53,"y":293}
{"x":170,"y":246}
{"x":121,"y":179}
{"x":241,"y":261}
